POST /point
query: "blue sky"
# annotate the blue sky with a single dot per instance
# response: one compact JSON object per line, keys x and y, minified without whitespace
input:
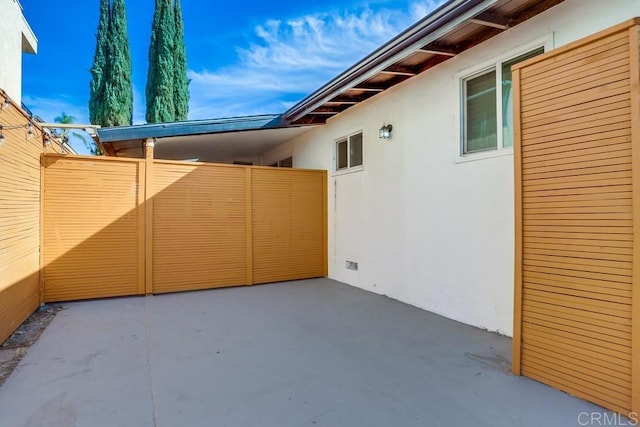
{"x":244,"y":58}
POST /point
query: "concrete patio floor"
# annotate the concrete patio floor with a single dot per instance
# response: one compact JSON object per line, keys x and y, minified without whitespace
{"x":307,"y":353}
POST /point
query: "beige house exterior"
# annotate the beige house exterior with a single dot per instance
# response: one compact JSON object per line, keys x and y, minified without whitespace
{"x":17,"y":38}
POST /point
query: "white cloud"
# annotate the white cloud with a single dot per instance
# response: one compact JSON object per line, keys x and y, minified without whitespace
{"x":50,"y":108}
{"x":420,"y":9}
{"x":290,"y":59}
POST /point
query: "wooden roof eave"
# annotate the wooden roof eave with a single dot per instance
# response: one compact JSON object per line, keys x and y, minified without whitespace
{"x":388,"y":55}
{"x":396,"y":61}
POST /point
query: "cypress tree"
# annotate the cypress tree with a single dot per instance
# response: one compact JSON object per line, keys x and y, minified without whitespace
{"x":180,"y":81}
{"x":151,"y":72}
{"x":98,"y":70}
{"x":160,"y":84}
{"x":118,"y":91}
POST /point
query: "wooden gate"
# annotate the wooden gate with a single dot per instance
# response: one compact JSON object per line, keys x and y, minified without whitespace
{"x":577,"y":218}
{"x":115,"y":227}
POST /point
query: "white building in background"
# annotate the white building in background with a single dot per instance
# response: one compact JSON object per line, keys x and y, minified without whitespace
{"x":16,"y":38}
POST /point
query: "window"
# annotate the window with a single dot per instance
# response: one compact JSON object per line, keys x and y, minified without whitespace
{"x":488,"y":107}
{"x":349,"y":152}
{"x":284,"y":163}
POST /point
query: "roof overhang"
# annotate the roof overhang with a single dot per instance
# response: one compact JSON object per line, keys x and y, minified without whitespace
{"x":449,"y":30}
{"x":220,"y":147}
{"x":29,"y":39}
{"x":203,"y":140}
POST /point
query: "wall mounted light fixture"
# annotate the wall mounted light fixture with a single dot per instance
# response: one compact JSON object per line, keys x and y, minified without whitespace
{"x":385,"y":131}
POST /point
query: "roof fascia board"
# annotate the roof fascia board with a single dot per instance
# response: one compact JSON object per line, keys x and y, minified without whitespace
{"x":108,"y":135}
{"x":338,"y":86}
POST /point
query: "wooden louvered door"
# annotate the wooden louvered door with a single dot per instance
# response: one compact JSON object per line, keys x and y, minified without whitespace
{"x":576,"y":258}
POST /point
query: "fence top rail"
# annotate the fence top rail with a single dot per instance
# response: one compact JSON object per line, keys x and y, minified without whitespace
{"x":229,"y":165}
{"x":96,"y":158}
{"x":58,"y":156}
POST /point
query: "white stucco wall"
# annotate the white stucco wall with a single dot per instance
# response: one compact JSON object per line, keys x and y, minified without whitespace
{"x":15,"y":31}
{"x":425,"y":228}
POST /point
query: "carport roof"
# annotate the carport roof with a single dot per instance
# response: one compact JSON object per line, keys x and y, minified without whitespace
{"x":198,"y":138}
{"x":190,"y":127}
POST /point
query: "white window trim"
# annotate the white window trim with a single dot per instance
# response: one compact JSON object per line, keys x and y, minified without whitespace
{"x":348,"y":171}
{"x":477,"y":70}
{"x":334,"y":150}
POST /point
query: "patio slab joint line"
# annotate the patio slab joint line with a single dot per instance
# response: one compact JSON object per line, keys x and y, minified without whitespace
{"x":149,"y":369}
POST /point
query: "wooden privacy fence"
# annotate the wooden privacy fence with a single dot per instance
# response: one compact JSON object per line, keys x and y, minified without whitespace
{"x":577,"y":160}
{"x":19,"y":219}
{"x":115,"y":227}
{"x":20,"y":212}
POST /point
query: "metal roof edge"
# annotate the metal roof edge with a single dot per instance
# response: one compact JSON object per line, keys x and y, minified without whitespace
{"x":191,"y":127}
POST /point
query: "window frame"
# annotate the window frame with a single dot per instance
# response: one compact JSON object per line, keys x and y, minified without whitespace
{"x":349,"y":168}
{"x":463,"y":122}
{"x":287,"y":162}
{"x":462,"y":77}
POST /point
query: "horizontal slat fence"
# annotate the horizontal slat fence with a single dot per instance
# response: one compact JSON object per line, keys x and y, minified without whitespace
{"x":288,"y":209}
{"x":199,"y":227}
{"x":19,"y":219}
{"x":92,"y":238}
{"x":117,"y":227}
{"x":577,"y":217}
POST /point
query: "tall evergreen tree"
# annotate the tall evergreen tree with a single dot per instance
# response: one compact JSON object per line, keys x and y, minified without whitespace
{"x":153,"y":58}
{"x":98,"y":70}
{"x":160,"y":77}
{"x":180,"y":81}
{"x":118,"y":91}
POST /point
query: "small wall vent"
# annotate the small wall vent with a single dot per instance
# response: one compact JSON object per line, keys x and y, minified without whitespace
{"x":352,"y":265}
